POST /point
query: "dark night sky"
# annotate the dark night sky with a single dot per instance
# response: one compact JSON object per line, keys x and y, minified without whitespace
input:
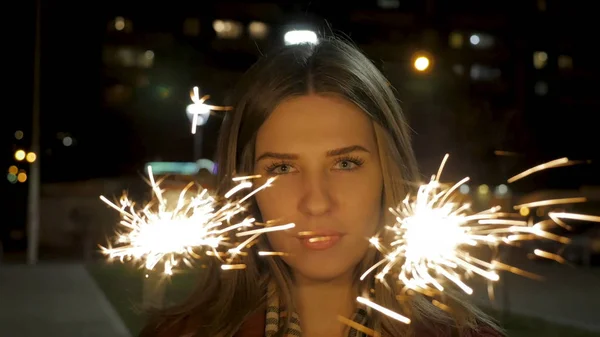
{"x":71,"y":98}
{"x":71,"y":74}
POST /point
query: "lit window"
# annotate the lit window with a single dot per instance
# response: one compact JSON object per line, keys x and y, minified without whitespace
{"x":227,"y":29}
{"x":145,"y":59}
{"x":481,"y":40}
{"x":128,"y":57}
{"x":258,"y":30}
{"x":67,"y":141}
{"x":125,"y":57}
{"x":121,"y":24}
{"x":565,"y":62}
{"x":455,"y":40}
{"x":540,"y":59}
{"x":481,"y":72}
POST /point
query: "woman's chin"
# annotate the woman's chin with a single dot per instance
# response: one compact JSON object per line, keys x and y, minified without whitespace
{"x":322,"y":273}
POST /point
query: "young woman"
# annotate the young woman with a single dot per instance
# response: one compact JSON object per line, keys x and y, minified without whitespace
{"x":325,"y":121}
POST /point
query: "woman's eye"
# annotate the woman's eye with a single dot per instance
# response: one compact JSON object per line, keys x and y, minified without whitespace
{"x":346,"y":165}
{"x":281,"y":169}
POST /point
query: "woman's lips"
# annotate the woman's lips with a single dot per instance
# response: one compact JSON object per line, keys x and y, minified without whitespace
{"x":319,"y":240}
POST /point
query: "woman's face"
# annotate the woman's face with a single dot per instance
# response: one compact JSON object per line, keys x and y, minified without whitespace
{"x":324,"y":153}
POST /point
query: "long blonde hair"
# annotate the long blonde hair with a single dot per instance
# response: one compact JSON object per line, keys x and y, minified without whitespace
{"x":223,"y":300}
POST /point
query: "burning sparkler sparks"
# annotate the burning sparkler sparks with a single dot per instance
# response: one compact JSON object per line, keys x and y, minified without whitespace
{"x":170,"y":233}
{"x":434,"y":231}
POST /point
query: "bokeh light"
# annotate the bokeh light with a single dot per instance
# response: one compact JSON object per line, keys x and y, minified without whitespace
{"x":20,"y":155}
{"x":31,"y":157}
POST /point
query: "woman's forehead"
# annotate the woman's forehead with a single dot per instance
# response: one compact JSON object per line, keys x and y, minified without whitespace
{"x":315,"y":119}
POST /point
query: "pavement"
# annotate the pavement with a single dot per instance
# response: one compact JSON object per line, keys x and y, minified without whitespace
{"x":568,"y":295}
{"x":59,"y":299}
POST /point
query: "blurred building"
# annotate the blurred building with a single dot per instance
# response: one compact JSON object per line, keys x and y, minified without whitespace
{"x":150,"y":66}
{"x":473,"y":76}
{"x":500,"y":85}
{"x":561,"y":76}
{"x":501,"y":79}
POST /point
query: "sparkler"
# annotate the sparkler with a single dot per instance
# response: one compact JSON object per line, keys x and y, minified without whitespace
{"x":433,"y":233}
{"x":170,"y":233}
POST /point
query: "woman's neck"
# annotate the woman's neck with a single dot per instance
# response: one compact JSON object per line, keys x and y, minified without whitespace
{"x":320,"y":303}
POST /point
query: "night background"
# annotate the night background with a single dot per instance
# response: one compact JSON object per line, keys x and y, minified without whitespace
{"x":509,"y":85}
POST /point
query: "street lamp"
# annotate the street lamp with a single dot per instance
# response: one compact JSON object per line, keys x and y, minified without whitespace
{"x":300,"y":37}
{"x":198,"y":113}
{"x":422,"y":62}
{"x":20,"y":155}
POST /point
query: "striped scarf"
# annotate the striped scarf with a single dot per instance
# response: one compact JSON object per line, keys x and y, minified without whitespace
{"x":275,"y":318}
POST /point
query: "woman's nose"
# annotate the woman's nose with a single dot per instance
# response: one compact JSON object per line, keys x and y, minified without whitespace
{"x":317,"y":199}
